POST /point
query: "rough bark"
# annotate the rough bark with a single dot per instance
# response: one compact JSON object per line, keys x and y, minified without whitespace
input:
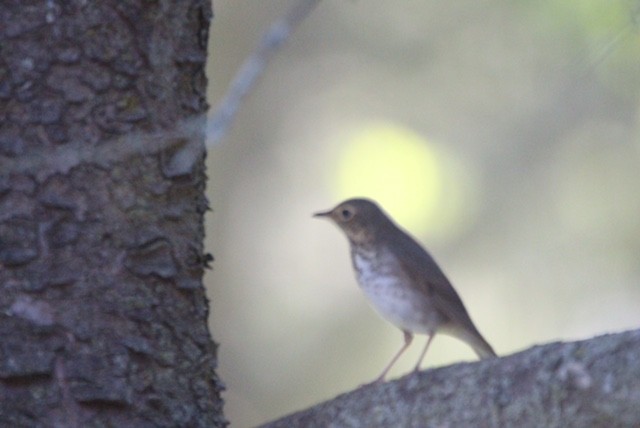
{"x":592,"y":383}
{"x":103,"y":317}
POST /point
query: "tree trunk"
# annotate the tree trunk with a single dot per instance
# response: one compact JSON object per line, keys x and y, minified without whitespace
{"x":592,"y":383}
{"x":103,"y":317}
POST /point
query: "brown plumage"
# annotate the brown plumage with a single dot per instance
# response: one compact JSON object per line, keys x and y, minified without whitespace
{"x":401,"y":279}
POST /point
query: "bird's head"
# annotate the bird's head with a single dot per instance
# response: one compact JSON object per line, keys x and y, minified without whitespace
{"x":359,"y":219}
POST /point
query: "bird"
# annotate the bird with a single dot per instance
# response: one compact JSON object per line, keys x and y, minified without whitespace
{"x":402,"y":281}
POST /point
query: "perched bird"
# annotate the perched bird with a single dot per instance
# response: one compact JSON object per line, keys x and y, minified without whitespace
{"x":402,"y":281}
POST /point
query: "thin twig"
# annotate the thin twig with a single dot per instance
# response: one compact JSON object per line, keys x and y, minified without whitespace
{"x":254,"y":67}
{"x":54,"y":159}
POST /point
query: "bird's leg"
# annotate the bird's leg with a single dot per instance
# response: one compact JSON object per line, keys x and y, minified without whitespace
{"x":424,"y":352}
{"x":408,"y":337}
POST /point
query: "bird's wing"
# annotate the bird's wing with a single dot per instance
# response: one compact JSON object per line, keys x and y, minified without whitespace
{"x":418,"y":265}
{"x":422,"y":268}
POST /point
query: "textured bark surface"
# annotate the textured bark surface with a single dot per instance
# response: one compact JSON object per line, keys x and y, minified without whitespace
{"x":592,"y":383}
{"x":103,"y":317}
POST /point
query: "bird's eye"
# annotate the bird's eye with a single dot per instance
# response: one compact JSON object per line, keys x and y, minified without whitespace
{"x":346,"y":214}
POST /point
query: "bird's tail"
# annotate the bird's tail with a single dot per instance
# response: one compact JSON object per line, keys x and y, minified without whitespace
{"x":482,"y":348}
{"x":474,"y":339}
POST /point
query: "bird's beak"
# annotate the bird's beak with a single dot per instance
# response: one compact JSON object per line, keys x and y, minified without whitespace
{"x":323,"y":214}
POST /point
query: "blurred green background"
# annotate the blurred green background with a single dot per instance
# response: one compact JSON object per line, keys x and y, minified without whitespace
{"x":505,"y":135}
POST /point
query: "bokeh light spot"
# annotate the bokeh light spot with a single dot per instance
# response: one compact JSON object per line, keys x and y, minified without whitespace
{"x":407,"y":174}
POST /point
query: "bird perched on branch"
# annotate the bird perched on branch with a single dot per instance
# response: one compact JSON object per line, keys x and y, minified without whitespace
{"x":402,"y":281}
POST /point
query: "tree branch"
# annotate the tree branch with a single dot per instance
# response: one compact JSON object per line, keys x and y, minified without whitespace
{"x":254,"y":66}
{"x":594,"y":382}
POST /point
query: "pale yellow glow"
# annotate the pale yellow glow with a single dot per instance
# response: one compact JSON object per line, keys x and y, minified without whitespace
{"x":413,"y":180}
